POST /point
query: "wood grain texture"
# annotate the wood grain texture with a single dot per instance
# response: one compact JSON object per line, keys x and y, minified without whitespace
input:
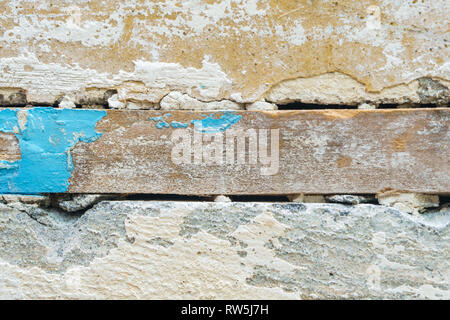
{"x":9,"y":147}
{"x":320,"y":152}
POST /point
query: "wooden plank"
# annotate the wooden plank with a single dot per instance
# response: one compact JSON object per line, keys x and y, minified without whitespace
{"x":320,"y":152}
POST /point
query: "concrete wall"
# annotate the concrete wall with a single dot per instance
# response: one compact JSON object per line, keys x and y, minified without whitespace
{"x":246,"y":50}
{"x":207,"y":54}
{"x":201,"y":250}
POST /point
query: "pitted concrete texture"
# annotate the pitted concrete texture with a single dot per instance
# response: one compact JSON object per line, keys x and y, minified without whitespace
{"x":223,"y":250}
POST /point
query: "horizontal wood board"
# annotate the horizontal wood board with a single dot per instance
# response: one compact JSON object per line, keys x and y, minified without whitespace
{"x":320,"y":152}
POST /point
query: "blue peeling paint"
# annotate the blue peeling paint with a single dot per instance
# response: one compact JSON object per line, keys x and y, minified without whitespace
{"x":177,"y":125}
{"x":207,"y":125}
{"x":160,"y":118}
{"x":45,"y":142}
{"x":212,"y":125}
{"x":162,"y":125}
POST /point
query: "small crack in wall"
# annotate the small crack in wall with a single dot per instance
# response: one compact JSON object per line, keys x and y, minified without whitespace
{"x":78,"y":204}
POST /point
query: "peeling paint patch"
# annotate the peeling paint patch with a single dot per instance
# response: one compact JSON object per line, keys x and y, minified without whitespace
{"x":432,"y":91}
{"x":45,"y":137}
{"x":209,"y":124}
{"x":177,"y":125}
{"x":160,"y":123}
{"x":212,"y":125}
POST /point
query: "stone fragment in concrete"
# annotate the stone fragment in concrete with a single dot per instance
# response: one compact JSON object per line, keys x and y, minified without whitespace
{"x":28,"y":199}
{"x":222,"y":198}
{"x":12,"y":97}
{"x":93,"y":97}
{"x":118,"y":102}
{"x":261,"y":106}
{"x":408,"y":202}
{"x":350,"y":199}
{"x":115,"y":103}
{"x":306,"y":198}
{"x":337,"y":88}
{"x":67,"y":103}
{"x":138,"y":91}
{"x":183,"y":250}
{"x":78,"y":202}
{"x":433,"y":91}
{"x":179,"y":101}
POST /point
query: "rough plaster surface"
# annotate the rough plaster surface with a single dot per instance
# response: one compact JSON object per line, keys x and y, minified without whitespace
{"x":336,"y":88}
{"x":223,"y":250}
{"x":178,"y":100}
{"x":241,"y":50}
{"x":261,"y":105}
{"x":78,"y":202}
{"x":408,"y":202}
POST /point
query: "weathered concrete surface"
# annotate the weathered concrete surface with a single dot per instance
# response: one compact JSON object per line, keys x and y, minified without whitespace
{"x":245,"y":50}
{"x":223,"y":250}
{"x":408,"y":202}
{"x":336,"y":88}
{"x":78,"y":202}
